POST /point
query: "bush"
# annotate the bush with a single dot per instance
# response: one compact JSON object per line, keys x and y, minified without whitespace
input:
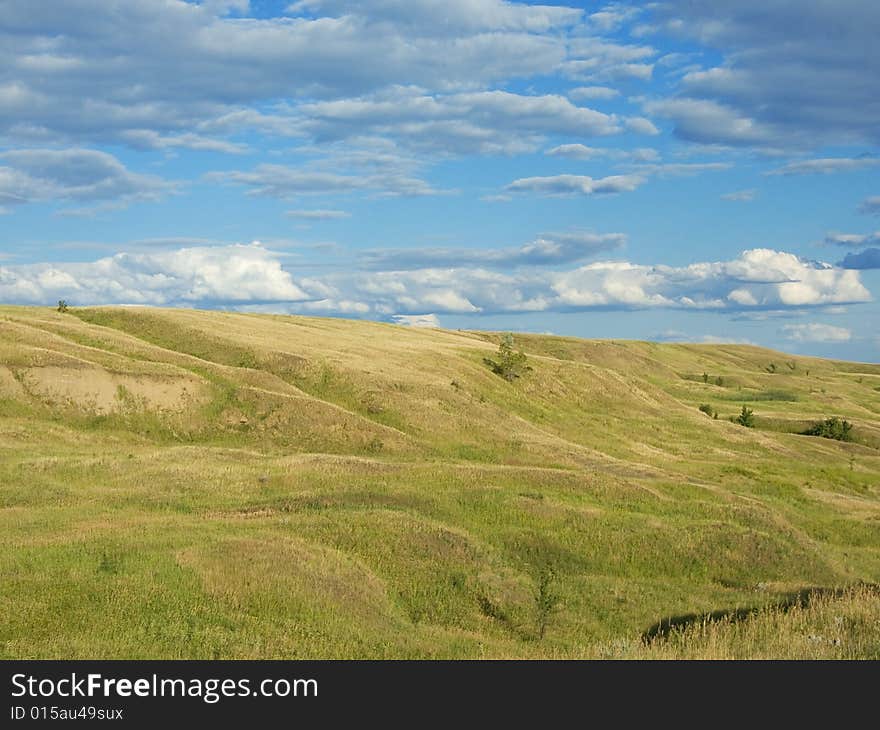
{"x":511,"y":363}
{"x":62,"y":306}
{"x":746,"y":418}
{"x":708,"y":410}
{"x":831,"y":428}
{"x":546,"y":600}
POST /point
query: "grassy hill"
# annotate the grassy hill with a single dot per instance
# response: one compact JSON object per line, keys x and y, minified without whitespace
{"x":188,"y":484}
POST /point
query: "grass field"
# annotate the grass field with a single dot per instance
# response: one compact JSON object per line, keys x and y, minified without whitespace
{"x":181,"y":484}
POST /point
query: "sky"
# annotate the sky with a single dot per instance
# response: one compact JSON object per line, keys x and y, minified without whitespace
{"x":672,"y":171}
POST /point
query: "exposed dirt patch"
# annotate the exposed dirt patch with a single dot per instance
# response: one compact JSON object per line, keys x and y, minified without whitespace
{"x":9,"y":386}
{"x":101,"y":391}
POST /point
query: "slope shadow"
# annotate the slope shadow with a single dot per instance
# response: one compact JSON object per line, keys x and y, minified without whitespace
{"x":788,"y":601}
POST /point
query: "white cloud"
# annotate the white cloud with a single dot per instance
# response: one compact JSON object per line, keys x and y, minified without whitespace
{"x":65,"y":73}
{"x":708,"y":122}
{"x":417,"y":320}
{"x":867,"y":259}
{"x":853,"y":239}
{"x":152,"y":140}
{"x":741,"y":196}
{"x":641,"y":125}
{"x":578,"y":151}
{"x":575,"y":185}
{"x":548,"y":249}
{"x":582,"y":93}
{"x":318,"y":215}
{"x":599,"y":59}
{"x":74,"y":175}
{"x":612,"y":16}
{"x":870,"y":206}
{"x":189,"y":276}
{"x":283,"y":182}
{"x":451,"y":16}
{"x":816,"y":332}
{"x":793,"y":74}
{"x":490,"y":122}
{"x":825,"y":166}
{"x":677,"y":336}
{"x":250,"y":275}
{"x":680,"y":169}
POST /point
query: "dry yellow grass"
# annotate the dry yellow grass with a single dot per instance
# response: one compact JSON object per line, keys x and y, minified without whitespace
{"x":221,"y":484}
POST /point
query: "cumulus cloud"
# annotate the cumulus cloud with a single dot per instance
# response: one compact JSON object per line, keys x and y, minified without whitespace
{"x":793,"y":74}
{"x":867,"y":259}
{"x":825,"y":166}
{"x":870,"y":206}
{"x":251,"y":275}
{"x":548,"y":249}
{"x":709,"y":122}
{"x":741,"y":196}
{"x":560,"y":185}
{"x":202,"y":276}
{"x":758,"y":279}
{"x":641,"y":125}
{"x":74,"y":175}
{"x":816,"y":332}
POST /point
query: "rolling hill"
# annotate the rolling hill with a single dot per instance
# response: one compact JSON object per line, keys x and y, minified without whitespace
{"x":204,"y":484}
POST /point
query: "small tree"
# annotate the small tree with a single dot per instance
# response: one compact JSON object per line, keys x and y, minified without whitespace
{"x":511,"y":363}
{"x":746,"y":418}
{"x":62,"y":306}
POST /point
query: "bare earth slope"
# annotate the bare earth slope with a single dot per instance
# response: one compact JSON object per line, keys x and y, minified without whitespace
{"x":205,"y":484}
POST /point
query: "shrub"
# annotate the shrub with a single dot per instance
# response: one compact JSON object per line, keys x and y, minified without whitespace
{"x":746,"y":418}
{"x":831,"y":428}
{"x":62,"y":306}
{"x":511,"y":363}
{"x":708,"y":410}
{"x":546,"y":600}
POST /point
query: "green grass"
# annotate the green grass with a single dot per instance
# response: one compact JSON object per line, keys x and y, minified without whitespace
{"x":351,"y":489}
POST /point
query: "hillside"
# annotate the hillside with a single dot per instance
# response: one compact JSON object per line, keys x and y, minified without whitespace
{"x":195,"y":484}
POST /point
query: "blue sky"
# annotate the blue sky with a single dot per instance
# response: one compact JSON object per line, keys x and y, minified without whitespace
{"x":674,"y":171}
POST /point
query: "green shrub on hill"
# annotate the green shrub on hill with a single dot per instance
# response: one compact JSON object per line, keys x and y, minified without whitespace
{"x":746,"y":417}
{"x":511,"y":364}
{"x":831,"y":428}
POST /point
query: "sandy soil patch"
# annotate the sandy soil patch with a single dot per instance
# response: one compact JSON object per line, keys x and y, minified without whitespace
{"x":101,"y":391}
